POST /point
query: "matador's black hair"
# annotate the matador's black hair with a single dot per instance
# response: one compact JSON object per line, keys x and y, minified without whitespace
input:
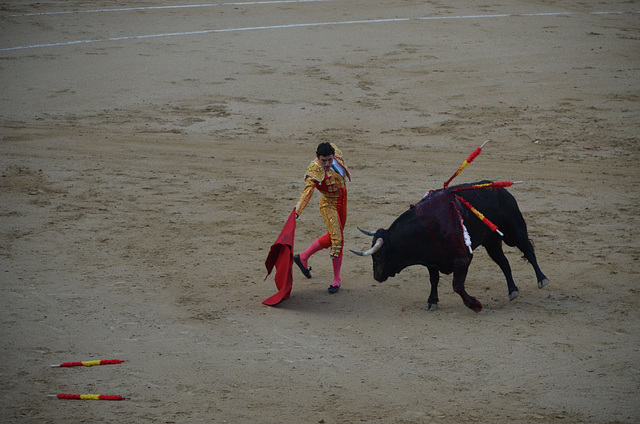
{"x":325,"y":149}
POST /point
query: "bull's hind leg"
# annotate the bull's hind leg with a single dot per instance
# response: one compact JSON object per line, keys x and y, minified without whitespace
{"x":434,"y":278}
{"x":460,"y":268}
{"x":524,"y":244}
{"x":494,"y":249}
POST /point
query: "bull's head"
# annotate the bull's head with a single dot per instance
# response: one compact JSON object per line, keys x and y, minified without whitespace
{"x":381,"y":269}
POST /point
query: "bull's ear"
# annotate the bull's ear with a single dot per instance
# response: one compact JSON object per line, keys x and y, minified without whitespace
{"x":368,"y":233}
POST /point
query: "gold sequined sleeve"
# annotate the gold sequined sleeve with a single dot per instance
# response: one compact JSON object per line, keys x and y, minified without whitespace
{"x":305,"y":197}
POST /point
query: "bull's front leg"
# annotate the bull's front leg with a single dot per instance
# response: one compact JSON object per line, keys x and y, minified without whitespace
{"x":460,"y":268}
{"x":434,"y":278}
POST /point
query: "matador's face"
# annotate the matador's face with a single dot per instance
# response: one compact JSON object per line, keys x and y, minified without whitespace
{"x":325,"y":162}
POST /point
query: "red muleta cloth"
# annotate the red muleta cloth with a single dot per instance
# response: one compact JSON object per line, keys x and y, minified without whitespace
{"x":281,"y":256}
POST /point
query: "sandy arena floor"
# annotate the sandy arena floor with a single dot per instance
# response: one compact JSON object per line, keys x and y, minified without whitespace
{"x":149,"y":156}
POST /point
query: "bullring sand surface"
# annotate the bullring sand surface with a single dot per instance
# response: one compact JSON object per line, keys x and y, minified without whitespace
{"x":150,"y":155}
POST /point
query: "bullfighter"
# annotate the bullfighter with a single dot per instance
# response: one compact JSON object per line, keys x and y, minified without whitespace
{"x":327,"y":173}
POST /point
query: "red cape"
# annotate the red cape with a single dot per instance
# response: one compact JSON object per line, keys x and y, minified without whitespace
{"x":281,"y":256}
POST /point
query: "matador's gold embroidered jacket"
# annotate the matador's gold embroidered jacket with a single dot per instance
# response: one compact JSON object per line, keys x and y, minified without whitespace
{"x":328,"y":183}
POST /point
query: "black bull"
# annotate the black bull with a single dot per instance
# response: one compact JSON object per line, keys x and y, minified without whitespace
{"x":430,"y":234}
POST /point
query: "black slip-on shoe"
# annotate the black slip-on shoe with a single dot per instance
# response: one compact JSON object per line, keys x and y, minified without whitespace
{"x":305,"y":271}
{"x":333,"y":289}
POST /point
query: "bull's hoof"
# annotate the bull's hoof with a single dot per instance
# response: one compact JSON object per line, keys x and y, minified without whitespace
{"x":514,"y":294}
{"x":543,"y":283}
{"x":476,"y":306}
{"x":431,"y":306}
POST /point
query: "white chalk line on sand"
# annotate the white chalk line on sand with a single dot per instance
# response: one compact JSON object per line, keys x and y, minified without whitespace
{"x":316,"y":24}
{"x":178,"y":6}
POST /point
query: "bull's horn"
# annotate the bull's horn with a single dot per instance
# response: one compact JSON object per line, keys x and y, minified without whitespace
{"x":369,"y":233}
{"x":373,"y":249}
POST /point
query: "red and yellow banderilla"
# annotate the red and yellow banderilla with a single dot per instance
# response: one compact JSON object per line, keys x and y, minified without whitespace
{"x":88,"y":397}
{"x":500,"y":184}
{"x":470,"y":159}
{"x":89,"y":363}
{"x":477,"y":213}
